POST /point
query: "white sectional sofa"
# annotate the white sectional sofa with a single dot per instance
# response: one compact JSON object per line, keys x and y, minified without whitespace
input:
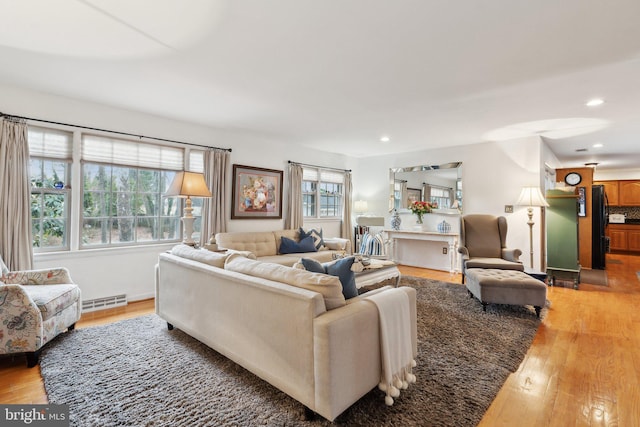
{"x":290,"y":327}
{"x":266,"y":246}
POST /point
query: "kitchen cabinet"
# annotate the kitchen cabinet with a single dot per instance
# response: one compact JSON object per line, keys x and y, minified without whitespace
{"x":624,"y":237}
{"x":633,"y":240}
{"x":611,"y":190}
{"x":617,"y":240}
{"x":628,"y":193}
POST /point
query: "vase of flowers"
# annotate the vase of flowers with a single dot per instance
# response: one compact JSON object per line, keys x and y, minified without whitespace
{"x":419,"y":208}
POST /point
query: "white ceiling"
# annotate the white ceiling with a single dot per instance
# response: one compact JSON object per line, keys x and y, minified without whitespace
{"x":339,"y":74}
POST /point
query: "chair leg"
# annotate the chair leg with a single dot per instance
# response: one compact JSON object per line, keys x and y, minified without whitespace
{"x":71,"y":327}
{"x":538,"y":309}
{"x":484,"y":306}
{"x":169,"y":326}
{"x":33,"y":357}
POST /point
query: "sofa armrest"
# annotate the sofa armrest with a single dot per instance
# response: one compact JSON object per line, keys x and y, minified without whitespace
{"x":511,"y":254}
{"x":347,"y":354}
{"x":46,"y":276}
{"x":338,"y":244}
{"x":464,"y":251}
{"x":20,"y":321}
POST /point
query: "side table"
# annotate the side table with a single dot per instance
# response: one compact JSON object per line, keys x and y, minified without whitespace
{"x":378,"y":271}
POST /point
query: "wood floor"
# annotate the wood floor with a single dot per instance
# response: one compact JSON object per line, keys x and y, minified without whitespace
{"x":583,"y":368}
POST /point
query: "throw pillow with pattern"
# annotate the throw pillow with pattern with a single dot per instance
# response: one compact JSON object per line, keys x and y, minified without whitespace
{"x":317,"y":237}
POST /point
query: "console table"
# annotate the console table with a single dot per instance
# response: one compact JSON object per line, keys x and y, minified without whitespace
{"x":423,"y":259}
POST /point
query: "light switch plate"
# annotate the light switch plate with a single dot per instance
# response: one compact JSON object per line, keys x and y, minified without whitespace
{"x":508,"y":208}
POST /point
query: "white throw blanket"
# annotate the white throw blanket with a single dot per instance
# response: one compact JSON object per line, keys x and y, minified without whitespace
{"x":396,"y":350}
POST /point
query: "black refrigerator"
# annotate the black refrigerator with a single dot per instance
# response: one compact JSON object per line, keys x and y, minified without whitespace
{"x":599,"y":221}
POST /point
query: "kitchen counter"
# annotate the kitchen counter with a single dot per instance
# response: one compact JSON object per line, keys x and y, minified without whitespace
{"x":628,"y":221}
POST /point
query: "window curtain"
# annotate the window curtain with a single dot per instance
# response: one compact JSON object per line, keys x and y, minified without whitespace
{"x":214,"y":209}
{"x":404,"y":194}
{"x":426,"y":192}
{"x":346,"y":228}
{"x":294,"y":218}
{"x":15,"y":205}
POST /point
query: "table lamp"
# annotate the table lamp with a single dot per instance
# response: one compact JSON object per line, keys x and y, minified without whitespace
{"x":187,"y":185}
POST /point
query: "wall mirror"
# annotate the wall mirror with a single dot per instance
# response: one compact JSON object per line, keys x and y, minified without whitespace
{"x":433,"y":183}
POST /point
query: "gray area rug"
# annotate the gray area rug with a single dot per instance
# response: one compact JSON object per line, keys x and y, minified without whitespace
{"x":137,"y":373}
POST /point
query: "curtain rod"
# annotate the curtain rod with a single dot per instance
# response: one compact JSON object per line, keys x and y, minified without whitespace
{"x":111,"y":131}
{"x":321,"y":167}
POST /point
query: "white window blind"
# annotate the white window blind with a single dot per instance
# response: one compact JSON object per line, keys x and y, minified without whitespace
{"x":310,"y":174}
{"x":131,"y":153}
{"x":50,"y":143}
{"x":196,"y":161}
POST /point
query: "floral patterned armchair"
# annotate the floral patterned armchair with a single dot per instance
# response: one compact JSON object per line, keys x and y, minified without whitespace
{"x":35,"y":307}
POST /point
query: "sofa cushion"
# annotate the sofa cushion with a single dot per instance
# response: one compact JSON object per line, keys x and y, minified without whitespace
{"x":290,"y":259}
{"x":289,"y":246}
{"x":52,"y":299}
{"x":317,"y":237}
{"x":340,"y":268}
{"x":260,"y":243}
{"x":329,"y":286}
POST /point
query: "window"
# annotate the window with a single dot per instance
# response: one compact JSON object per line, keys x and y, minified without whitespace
{"x":123,"y":184}
{"x":50,"y":174}
{"x":441,"y":196}
{"x":322,"y":193}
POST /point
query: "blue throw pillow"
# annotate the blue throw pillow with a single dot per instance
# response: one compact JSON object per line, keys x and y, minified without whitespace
{"x":317,"y":237}
{"x":340,"y":268}
{"x":313,"y":265}
{"x":288,"y":246}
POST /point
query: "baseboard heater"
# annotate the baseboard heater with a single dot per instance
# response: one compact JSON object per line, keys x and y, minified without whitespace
{"x":102,"y":303}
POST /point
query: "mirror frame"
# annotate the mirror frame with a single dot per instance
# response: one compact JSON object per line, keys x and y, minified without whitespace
{"x":422,"y":168}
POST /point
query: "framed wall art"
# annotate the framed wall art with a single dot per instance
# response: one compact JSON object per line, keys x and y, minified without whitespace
{"x":256,"y":193}
{"x":413,"y":195}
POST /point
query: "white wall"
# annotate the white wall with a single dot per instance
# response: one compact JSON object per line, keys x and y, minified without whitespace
{"x":493,"y":174}
{"x":107,"y":272}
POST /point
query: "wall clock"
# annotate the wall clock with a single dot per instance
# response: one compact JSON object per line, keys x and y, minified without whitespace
{"x":573,"y":178}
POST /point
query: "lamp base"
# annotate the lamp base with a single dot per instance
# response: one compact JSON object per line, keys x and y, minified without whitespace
{"x":188,"y":230}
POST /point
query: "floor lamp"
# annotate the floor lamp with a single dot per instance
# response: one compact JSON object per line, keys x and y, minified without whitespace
{"x":188,"y":185}
{"x":531,"y":197}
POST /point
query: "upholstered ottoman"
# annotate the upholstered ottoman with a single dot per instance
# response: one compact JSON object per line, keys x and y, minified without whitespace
{"x":506,"y":287}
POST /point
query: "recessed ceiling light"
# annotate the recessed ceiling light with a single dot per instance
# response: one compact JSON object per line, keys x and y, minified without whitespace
{"x":385,"y":139}
{"x":595,"y":102}
{"x":598,"y":145}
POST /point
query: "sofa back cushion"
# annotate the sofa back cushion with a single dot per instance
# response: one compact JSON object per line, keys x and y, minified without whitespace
{"x":329,"y":286}
{"x":260,"y":243}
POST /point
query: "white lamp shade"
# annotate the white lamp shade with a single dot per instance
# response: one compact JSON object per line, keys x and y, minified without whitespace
{"x":360,"y":206}
{"x":187,"y":184}
{"x":531,"y":196}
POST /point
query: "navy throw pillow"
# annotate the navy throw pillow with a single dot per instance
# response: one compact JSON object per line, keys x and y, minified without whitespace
{"x":288,"y":246}
{"x":340,"y":268}
{"x":313,"y":265}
